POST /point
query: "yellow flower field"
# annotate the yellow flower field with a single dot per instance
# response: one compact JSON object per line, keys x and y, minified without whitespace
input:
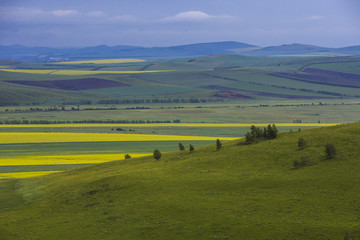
{"x":53,"y":137}
{"x":65,"y":159}
{"x":25,"y":174}
{"x":77,"y":72}
{"x":103,"y":61}
{"x":169,"y":125}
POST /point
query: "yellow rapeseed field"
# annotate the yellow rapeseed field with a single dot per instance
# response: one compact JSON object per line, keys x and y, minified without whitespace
{"x":77,"y":72}
{"x":103,"y":61}
{"x":65,"y":159}
{"x":25,"y":174}
{"x":47,"y":137}
{"x":170,"y":125}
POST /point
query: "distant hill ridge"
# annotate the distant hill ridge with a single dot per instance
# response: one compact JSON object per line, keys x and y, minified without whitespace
{"x":23,"y":53}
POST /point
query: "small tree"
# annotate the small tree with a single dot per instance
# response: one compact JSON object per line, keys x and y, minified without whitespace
{"x":249,"y":138}
{"x":218,"y":144}
{"x":127,"y":156}
{"x":271,"y":131}
{"x":301,"y":143}
{"x":181,"y":147}
{"x":157,"y":154}
{"x":191,"y":148}
{"x":330,"y":150}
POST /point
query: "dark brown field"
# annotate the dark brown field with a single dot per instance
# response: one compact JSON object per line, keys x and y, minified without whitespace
{"x":320,"y":76}
{"x":73,"y":84}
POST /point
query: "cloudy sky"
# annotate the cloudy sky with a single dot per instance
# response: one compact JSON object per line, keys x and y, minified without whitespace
{"x":75,"y":23}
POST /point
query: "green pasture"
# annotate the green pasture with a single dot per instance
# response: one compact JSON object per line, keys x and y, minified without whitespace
{"x":246,"y":111}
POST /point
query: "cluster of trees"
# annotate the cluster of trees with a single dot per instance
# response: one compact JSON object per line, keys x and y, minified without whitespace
{"x":304,"y":161}
{"x":257,"y":133}
{"x":157,"y":153}
{"x":182,"y":148}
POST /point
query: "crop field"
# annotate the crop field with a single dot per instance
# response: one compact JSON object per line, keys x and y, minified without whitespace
{"x":26,"y":154}
{"x":104,"y":61}
{"x":77,"y":72}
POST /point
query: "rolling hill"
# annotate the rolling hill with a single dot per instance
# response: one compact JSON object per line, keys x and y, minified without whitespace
{"x":239,"y":192}
{"x":45,"y":54}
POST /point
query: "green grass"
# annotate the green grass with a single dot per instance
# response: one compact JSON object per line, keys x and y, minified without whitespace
{"x":239,"y":192}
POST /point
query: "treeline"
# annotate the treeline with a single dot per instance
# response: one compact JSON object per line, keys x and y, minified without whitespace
{"x":123,"y":101}
{"x":85,"y":121}
{"x":60,"y":108}
{"x":256,"y":134}
{"x":159,"y":100}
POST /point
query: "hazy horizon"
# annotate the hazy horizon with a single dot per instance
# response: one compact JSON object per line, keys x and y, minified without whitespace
{"x":68,"y":23}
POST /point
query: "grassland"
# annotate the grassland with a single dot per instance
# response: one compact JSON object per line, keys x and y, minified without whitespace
{"x":239,"y":192}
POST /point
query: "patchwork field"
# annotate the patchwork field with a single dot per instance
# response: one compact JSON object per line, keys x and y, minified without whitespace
{"x":26,"y":154}
{"x":77,"y":72}
{"x":200,"y":79}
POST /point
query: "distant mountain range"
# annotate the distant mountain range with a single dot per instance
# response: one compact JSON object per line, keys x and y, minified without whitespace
{"x":43,"y":54}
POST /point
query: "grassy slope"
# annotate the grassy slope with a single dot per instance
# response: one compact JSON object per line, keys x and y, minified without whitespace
{"x":240,"y":192}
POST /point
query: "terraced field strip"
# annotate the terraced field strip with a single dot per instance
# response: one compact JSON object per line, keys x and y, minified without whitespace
{"x":55,"y":137}
{"x":168,"y":125}
{"x":25,"y":174}
{"x":103,"y":61}
{"x":78,"y":72}
{"x":65,"y":159}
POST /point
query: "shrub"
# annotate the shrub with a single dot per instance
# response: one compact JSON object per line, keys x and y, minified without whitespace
{"x":301,"y":143}
{"x":127,"y":156}
{"x":191,"y":148}
{"x":157,"y":154}
{"x":348,"y":236}
{"x":296,"y":163}
{"x":218,"y":144}
{"x":330,"y":150}
{"x":181,"y":147}
{"x":303,"y":162}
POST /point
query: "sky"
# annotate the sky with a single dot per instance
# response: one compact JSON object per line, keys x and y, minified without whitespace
{"x":149,"y":23}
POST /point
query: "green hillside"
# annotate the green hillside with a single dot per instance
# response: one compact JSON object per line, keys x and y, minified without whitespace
{"x":239,"y":192}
